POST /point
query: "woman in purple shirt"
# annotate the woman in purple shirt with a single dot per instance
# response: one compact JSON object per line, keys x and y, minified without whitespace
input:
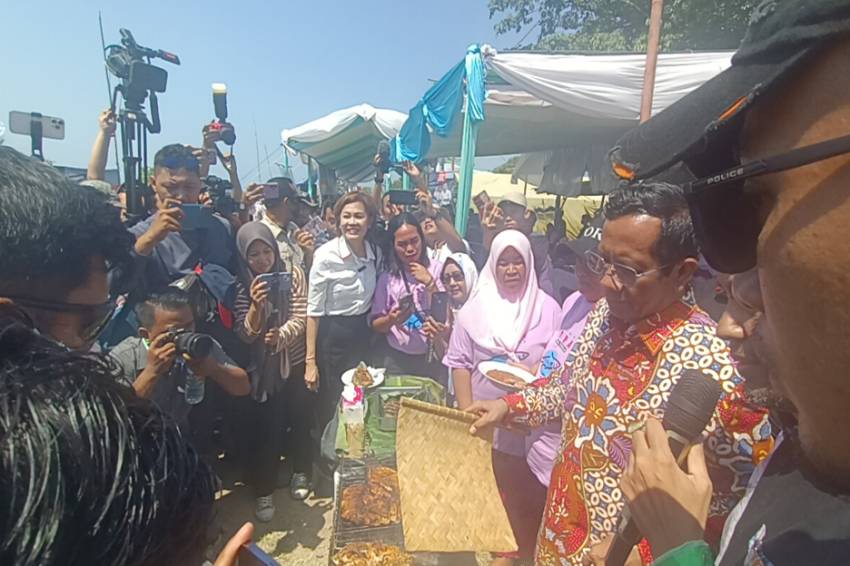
{"x":403,"y":300}
{"x":507,"y":318}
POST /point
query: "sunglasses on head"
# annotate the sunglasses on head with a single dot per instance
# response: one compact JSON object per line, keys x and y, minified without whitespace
{"x":98,"y":315}
{"x":727,"y":218}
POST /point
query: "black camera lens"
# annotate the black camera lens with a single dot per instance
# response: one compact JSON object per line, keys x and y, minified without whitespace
{"x":195,"y":345}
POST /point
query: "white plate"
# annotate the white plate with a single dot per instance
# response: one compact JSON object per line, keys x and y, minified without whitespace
{"x":377,"y":376}
{"x":519,"y":373}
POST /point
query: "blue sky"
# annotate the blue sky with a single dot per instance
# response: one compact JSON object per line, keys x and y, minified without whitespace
{"x":285,"y":62}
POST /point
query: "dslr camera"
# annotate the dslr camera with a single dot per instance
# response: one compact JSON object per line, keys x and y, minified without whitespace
{"x":219,"y":190}
{"x":194,"y":344}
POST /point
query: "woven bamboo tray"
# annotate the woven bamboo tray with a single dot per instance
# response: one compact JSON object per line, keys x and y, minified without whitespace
{"x":449,"y":498}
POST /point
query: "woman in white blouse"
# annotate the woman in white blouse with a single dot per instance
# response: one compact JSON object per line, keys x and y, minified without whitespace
{"x":342,"y":283}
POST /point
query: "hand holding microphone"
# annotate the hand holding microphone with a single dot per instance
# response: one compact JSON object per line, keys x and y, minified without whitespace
{"x":667,"y":505}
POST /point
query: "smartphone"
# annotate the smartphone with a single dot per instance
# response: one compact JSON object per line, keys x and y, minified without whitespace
{"x":279,"y":280}
{"x":195,"y":216}
{"x":403,"y":198}
{"x":481,"y":200}
{"x":252,"y":555}
{"x":440,"y":307}
{"x":271,"y":191}
{"x":314,"y":226}
{"x":405,"y":303}
{"x":51,"y":128}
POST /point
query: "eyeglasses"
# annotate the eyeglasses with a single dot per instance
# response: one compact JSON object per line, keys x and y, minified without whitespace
{"x":453,"y":277}
{"x":98,"y":315}
{"x":727,"y":218}
{"x":623,"y":274}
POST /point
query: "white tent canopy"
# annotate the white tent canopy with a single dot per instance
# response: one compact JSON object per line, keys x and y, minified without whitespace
{"x":541,"y":101}
{"x":606,"y":86}
{"x":345,"y":140}
{"x":572,"y":109}
{"x":536,"y":102}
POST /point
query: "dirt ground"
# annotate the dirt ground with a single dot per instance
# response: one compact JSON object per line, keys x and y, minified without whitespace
{"x":299,"y":534}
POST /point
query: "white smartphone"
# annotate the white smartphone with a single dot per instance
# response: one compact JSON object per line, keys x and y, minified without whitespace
{"x":51,"y":127}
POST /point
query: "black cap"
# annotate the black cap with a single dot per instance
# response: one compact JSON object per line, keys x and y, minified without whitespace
{"x":782,"y":35}
{"x":590,"y":235}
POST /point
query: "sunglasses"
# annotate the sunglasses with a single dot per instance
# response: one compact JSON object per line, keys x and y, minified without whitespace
{"x":622,"y":274}
{"x":450,"y":277}
{"x":727,"y":218}
{"x":97,"y":316}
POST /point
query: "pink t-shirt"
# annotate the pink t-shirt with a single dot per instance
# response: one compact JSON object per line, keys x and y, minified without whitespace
{"x":463,"y":353}
{"x":389,"y":290}
{"x":544,"y":443}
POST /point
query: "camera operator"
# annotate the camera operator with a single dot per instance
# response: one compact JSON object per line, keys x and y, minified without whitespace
{"x":123,"y":487}
{"x":58,"y":241}
{"x":100,"y":150}
{"x":157,"y":368}
{"x":168,"y":251}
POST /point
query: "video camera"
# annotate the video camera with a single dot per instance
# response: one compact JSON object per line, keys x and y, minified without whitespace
{"x":130,"y":62}
{"x":219,"y":191}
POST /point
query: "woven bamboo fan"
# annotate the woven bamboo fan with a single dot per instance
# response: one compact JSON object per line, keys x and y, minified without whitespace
{"x":449,"y":498}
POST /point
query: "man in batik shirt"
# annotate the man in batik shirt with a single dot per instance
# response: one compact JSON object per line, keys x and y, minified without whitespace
{"x":636,"y":345}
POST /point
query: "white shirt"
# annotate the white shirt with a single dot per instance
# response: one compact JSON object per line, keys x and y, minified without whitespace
{"x":341,"y":283}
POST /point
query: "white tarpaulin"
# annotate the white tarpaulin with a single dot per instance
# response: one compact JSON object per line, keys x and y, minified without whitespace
{"x":573,"y":108}
{"x":605,"y":86}
{"x":345,"y":140}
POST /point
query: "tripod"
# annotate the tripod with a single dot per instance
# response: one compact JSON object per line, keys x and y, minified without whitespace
{"x":135,"y":126}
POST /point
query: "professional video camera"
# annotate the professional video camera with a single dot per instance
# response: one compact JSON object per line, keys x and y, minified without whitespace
{"x":219,"y":191}
{"x":140,"y":80}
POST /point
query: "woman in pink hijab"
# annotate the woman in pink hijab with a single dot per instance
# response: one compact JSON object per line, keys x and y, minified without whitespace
{"x":507,"y":318}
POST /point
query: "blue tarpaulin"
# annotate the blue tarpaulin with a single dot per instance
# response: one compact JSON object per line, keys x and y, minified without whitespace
{"x":440,"y":106}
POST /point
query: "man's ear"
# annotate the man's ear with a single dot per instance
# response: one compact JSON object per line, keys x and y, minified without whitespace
{"x":685,"y":273}
{"x":144,"y":333}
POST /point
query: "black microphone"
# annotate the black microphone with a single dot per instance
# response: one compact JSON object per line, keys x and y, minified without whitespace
{"x":689,"y":410}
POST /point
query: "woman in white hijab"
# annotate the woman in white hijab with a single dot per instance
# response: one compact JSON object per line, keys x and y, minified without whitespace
{"x":459,"y":276}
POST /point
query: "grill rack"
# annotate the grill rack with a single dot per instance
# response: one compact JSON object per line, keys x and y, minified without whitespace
{"x":352,"y":472}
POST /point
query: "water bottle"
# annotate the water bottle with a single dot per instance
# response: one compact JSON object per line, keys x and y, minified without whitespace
{"x":194,"y":386}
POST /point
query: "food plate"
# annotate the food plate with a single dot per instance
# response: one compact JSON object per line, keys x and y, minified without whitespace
{"x":377,"y":376}
{"x":505,"y":375}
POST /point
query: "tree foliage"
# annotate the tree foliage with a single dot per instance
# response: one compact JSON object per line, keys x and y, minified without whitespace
{"x":621,"y":25}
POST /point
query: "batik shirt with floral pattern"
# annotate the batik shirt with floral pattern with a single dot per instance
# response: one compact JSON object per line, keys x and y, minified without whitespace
{"x":617,"y":376}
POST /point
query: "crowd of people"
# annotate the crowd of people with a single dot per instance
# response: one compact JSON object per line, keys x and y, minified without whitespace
{"x":136,"y":351}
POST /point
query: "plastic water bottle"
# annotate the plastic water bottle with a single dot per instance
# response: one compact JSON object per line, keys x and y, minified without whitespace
{"x":193,"y":388}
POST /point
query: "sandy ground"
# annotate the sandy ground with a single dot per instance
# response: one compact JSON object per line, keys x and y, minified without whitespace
{"x":299,"y":534}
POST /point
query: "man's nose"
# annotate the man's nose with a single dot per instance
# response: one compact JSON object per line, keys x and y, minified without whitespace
{"x":609,"y":283}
